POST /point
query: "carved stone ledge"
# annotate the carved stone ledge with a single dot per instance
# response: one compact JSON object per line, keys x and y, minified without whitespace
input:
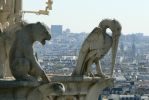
{"x":15,"y":84}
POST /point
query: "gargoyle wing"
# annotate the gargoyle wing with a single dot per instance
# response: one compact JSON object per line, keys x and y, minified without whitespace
{"x":85,"y":49}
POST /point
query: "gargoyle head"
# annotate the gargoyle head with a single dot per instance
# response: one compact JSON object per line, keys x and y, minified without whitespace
{"x":52,"y":88}
{"x":42,"y":32}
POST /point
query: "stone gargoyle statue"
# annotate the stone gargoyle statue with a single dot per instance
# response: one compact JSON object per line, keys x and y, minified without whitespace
{"x":96,"y":45}
{"x":42,"y":92}
{"x":23,"y":64}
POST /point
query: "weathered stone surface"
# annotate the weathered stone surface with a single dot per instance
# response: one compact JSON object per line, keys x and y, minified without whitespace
{"x":42,"y":92}
{"x":96,"y":45}
{"x":23,"y":64}
{"x":77,"y":87}
{"x":24,"y":90}
{"x":15,"y":84}
{"x":81,"y":87}
{"x":9,"y":16}
{"x":3,"y":57}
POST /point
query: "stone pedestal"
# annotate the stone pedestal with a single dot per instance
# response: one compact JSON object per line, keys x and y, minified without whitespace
{"x":81,"y":87}
{"x":24,"y":90}
{"x":76,"y":88}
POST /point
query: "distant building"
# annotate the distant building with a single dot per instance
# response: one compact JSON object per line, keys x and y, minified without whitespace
{"x":67,"y":31}
{"x":133,"y":50}
{"x":56,"y":29}
{"x":122,"y":47}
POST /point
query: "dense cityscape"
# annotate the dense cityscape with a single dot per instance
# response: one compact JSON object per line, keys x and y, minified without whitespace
{"x":59,"y":56}
{"x":91,"y":50}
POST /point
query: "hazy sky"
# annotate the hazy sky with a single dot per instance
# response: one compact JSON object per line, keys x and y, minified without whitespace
{"x":84,"y":15}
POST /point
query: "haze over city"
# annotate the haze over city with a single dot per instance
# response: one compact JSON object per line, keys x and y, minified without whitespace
{"x":84,"y":15}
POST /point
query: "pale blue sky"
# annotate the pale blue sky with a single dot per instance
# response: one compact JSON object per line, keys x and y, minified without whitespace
{"x":84,"y":15}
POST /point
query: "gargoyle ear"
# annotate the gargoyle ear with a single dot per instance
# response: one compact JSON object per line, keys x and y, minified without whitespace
{"x":114,"y":21}
{"x":38,"y":23}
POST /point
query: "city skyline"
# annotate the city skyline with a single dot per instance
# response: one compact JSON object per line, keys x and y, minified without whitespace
{"x":84,"y":15}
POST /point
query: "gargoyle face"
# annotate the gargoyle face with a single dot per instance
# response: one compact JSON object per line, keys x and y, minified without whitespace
{"x":43,"y":33}
{"x":46,"y":37}
{"x":58,"y":88}
{"x":55,"y":88}
{"x":43,"y":42}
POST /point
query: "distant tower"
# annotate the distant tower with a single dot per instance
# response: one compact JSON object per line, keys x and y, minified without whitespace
{"x":122,"y":47}
{"x":67,"y":31}
{"x":56,"y":30}
{"x":133,"y":50}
